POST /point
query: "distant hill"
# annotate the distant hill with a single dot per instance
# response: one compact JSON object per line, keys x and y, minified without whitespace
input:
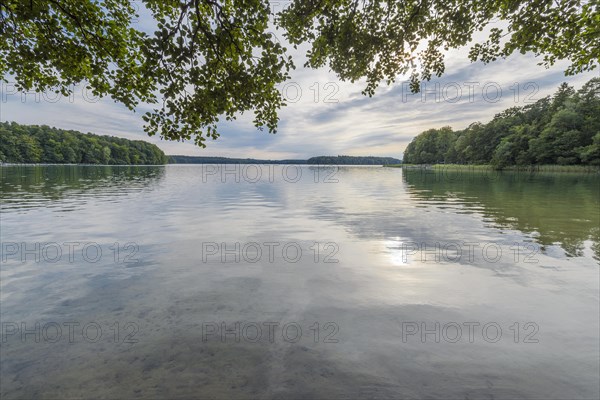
{"x":32,"y":144}
{"x":352,"y":160}
{"x":320,"y":160}
{"x":225,"y":160}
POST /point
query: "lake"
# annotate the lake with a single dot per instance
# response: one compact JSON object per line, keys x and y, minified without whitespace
{"x":263,"y":281}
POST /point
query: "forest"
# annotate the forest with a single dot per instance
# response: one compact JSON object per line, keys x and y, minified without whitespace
{"x":352,"y":160}
{"x":319,"y":160}
{"x":43,"y":144}
{"x":562,"y":129}
{"x":178,"y":159}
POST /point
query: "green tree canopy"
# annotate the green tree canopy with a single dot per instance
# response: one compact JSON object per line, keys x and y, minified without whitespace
{"x":43,"y":144}
{"x":562,"y":129}
{"x":212,"y":59}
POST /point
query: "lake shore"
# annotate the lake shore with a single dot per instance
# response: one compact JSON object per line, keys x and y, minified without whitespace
{"x":487,"y":167}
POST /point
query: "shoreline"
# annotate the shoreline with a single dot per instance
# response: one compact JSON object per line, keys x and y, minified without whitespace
{"x":588,"y":169}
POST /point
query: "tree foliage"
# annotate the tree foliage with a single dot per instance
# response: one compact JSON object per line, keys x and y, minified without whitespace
{"x":563,"y":129}
{"x":42,"y":144}
{"x":379,"y":40}
{"x":179,"y":159}
{"x":319,"y":160}
{"x":208,"y":60}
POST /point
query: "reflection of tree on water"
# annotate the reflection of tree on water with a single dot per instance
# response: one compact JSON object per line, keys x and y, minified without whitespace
{"x":561,"y":208}
{"x":30,"y":186}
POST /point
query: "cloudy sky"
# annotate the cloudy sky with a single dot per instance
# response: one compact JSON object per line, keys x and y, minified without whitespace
{"x":324,"y":116}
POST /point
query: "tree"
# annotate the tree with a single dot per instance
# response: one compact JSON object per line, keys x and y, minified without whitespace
{"x":30,"y":150}
{"x":591,"y":154}
{"x":213,"y":59}
{"x":431,"y":146}
{"x":562,"y":96}
{"x":503,"y":155}
{"x":564,"y":129}
{"x":560,"y":138}
{"x":32,"y":144}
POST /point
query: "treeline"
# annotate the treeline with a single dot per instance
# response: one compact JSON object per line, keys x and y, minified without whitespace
{"x":562,"y":129}
{"x":42,"y":144}
{"x":352,"y":160}
{"x":226,"y":160}
{"x":320,"y":160}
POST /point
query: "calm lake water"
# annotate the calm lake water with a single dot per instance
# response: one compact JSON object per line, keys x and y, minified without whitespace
{"x":288,"y":282}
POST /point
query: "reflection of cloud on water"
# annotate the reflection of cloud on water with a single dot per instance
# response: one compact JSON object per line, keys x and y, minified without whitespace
{"x":397,"y":251}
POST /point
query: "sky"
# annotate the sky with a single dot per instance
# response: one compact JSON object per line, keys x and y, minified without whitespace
{"x":324,"y":115}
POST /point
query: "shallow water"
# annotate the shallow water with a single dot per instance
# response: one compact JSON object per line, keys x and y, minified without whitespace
{"x":298,"y":282}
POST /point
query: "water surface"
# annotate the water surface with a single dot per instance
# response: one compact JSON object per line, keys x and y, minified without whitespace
{"x":364,"y":282}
